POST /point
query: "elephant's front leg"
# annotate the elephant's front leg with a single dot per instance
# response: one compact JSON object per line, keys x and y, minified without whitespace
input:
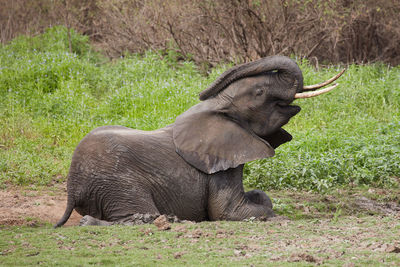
{"x":228,"y":201}
{"x":259,"y":197}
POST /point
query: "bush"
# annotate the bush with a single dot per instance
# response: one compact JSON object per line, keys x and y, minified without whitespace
{"x":211,"y":32}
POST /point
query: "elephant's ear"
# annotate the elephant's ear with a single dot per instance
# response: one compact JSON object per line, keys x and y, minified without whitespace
{"x":211,"y":142}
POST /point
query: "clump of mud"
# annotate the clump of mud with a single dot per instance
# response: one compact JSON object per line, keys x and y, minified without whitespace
{"x":157,"y":219}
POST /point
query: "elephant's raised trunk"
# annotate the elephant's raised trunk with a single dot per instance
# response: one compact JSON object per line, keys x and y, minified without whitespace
{"x":280,"y":63}
{"x":317,"y":86}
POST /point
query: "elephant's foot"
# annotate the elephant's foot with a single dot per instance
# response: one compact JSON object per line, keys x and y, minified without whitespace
{"x":259,"y":197}
{"x":89,"y":220}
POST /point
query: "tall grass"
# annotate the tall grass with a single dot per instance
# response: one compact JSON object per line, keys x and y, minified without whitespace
{"x":50,"y":98}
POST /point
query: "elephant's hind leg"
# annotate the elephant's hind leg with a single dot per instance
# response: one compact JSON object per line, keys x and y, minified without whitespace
{"x":89,"y":220}
{"x":135,"y":219}
{"x":142,"y":203}
{"x":129,"y":211}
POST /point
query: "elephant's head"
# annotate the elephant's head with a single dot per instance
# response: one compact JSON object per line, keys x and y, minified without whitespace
{"x":241,"y":115}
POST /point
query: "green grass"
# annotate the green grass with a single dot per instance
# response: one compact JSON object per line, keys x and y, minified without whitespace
{"x":364,"y":241}
{"x":350,"y":137}
{"x":51,"y":98}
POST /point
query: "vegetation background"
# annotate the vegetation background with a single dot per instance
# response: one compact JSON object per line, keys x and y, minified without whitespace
{"x":55,"y":87}
{"x":52,"y":97}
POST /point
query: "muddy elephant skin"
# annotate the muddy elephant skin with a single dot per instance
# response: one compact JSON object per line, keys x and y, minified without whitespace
{"x":192,"y":168}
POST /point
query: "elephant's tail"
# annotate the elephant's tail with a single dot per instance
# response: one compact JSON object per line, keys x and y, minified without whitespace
{"x":67,"y":213}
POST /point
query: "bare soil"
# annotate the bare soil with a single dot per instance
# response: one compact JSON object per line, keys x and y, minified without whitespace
{"x":20,"y":206}
{"x":27,"y":206}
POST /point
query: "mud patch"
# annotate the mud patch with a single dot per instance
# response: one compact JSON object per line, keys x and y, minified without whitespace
{"x":29,"y":207}
{"x":372,"y":206}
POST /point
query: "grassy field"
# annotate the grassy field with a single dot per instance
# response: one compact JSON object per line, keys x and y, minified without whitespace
{"x":345,"y":152}
{"x":50,"y":98}
{"x":300,"y":243}
{"x":332,"y":229}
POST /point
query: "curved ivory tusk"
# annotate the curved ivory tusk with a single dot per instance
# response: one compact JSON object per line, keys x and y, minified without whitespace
{"x":317,"y":86}
{"x":315,"y":93}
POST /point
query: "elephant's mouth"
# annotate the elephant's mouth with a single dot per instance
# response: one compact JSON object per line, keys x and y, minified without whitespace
{"x":289,"y":110}
{"x":277,"y":138}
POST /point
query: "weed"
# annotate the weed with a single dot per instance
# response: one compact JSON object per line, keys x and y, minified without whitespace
{"x":337,"y":213}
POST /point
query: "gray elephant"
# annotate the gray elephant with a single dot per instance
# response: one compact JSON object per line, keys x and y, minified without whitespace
{"x":192,"y":168}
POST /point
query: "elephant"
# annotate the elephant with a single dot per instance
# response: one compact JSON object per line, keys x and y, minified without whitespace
{"x":192,"y":168}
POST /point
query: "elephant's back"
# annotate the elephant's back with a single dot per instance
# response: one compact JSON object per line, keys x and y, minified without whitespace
{"x":98,"y":175}
{"x":114,"y":167}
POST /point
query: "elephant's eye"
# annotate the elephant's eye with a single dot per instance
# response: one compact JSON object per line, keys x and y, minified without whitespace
{"x":259,"y":91}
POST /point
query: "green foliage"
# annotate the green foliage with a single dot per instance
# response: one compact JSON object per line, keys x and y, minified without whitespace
{"x":51,"y":98}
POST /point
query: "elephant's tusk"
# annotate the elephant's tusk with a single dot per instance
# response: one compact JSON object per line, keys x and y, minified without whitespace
{"x":315,"y":93}
{"x":317,"y":86}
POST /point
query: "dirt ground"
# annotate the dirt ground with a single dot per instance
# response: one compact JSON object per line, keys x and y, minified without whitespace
{"x":32,"y":207}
